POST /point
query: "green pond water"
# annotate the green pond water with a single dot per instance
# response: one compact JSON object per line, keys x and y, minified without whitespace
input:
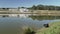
{"x":14,"y":25}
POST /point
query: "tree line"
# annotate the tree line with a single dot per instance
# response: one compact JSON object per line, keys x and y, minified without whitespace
{"x":44,"y":7}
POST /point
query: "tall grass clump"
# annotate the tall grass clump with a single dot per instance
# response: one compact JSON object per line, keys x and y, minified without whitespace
{"x":29,"y":31}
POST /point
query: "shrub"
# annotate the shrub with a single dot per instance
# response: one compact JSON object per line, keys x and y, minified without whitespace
{"x":29,"y":31}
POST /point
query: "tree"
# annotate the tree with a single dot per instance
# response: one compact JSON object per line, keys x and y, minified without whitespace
{"x":22,"y":7}
{"x":34,"y":7}
{"x":18,"y":8}
{"x":40,"y":7}
{"x":45,"y":7}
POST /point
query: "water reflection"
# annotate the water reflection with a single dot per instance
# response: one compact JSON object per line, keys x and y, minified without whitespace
{"x":16,"y":25}
{"x":44,"y":17}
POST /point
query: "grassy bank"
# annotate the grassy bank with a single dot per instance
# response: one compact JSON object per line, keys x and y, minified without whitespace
{"x":53,"y":29}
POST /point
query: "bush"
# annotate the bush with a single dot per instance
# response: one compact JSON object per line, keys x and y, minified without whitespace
{"x":29,"y":31}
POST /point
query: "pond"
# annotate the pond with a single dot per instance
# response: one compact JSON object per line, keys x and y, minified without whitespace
{"x":16,"y":25}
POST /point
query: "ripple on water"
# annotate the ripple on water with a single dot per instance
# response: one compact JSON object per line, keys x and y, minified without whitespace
{"x":16,"y":24}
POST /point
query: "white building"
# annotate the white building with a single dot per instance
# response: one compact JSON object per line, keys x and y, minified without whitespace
{"x":23,"y":10}
{"x":13,"y":9}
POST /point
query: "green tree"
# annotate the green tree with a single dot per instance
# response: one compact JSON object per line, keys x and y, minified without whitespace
{"x":18,"y":8}
{"x":40,"y":7}
{"x":34,"y":7}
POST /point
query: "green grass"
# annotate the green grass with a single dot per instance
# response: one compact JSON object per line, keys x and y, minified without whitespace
{"x":53,"y":29}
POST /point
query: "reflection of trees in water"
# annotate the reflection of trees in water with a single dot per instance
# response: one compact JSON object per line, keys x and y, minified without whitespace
{"x":44,"y":17}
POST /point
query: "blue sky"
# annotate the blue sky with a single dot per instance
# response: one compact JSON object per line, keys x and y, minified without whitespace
{"x":27,"y":3}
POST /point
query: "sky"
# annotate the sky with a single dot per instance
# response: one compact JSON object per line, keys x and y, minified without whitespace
{"x":27,"y":3}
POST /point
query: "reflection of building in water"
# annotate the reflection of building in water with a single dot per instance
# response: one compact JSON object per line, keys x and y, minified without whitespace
{"x":24,"y":15}
{"x":12,"y":12}
{"x":15,"y":15}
